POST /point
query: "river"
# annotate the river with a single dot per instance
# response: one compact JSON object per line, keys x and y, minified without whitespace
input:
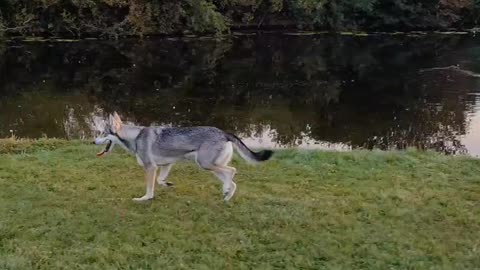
{"x":275,"y":90}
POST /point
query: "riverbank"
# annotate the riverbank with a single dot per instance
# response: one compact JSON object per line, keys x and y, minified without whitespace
{"x":62,"y":207}
{"x":233,"y":34}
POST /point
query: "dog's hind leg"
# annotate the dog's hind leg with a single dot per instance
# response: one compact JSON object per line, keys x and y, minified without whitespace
{"x":162,"y":176}
{"x":225,"y":174}
{"x":149,"y":182}
{"x":215,"y":158}
{"x":221,"y":163}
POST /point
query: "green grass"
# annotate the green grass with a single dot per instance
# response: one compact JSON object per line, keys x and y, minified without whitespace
{"x":63,"y":208}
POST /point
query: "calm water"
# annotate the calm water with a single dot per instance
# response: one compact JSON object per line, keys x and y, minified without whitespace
{"x":274,"y":90}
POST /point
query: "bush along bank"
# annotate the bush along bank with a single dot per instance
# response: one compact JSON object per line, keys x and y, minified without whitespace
{"x":114,"y":18}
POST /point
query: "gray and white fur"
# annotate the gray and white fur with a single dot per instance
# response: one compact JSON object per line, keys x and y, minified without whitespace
{"x":158,"y":148}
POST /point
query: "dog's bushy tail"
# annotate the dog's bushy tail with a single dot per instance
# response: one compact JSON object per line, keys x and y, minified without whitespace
{"x":246,"y":153}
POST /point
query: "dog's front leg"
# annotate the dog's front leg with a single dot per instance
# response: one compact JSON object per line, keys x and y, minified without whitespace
{"x":150,"y":184}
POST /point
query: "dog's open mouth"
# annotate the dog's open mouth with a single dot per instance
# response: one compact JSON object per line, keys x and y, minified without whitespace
{"x":106,"y":150}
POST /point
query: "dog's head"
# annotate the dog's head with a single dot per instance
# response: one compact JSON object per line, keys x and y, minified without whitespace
{"x":109,"y":133}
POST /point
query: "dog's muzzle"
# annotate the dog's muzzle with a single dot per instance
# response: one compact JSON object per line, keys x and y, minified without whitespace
{"x":107,"y":149}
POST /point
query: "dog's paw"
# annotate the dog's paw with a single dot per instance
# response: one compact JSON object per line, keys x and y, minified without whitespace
{"x":143,"y":199}
{"x":229,"y":194}
{"x":165,"y":184}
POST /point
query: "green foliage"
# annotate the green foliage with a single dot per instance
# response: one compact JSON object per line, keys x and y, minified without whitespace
{"x":110,"y":18}
{"x":205,"y":18}
{"x":309,"y":12}
{"x":66,"y":209}
{"x":120,"y":17}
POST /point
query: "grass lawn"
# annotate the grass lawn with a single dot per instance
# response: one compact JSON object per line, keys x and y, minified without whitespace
{"x":63,"y":208}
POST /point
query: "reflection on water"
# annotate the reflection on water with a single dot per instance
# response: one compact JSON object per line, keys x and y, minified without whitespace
{"x":323,"y":92}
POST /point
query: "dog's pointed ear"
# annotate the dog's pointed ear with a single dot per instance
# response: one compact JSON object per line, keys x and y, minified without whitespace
{"x":117,"y":117}
{"x":116,"y":122}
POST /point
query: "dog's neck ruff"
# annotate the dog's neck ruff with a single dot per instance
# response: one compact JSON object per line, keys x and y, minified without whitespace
{"x":129,"y":145}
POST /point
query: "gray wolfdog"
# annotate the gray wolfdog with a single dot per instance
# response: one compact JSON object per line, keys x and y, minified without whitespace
{"x":160,"y":147}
